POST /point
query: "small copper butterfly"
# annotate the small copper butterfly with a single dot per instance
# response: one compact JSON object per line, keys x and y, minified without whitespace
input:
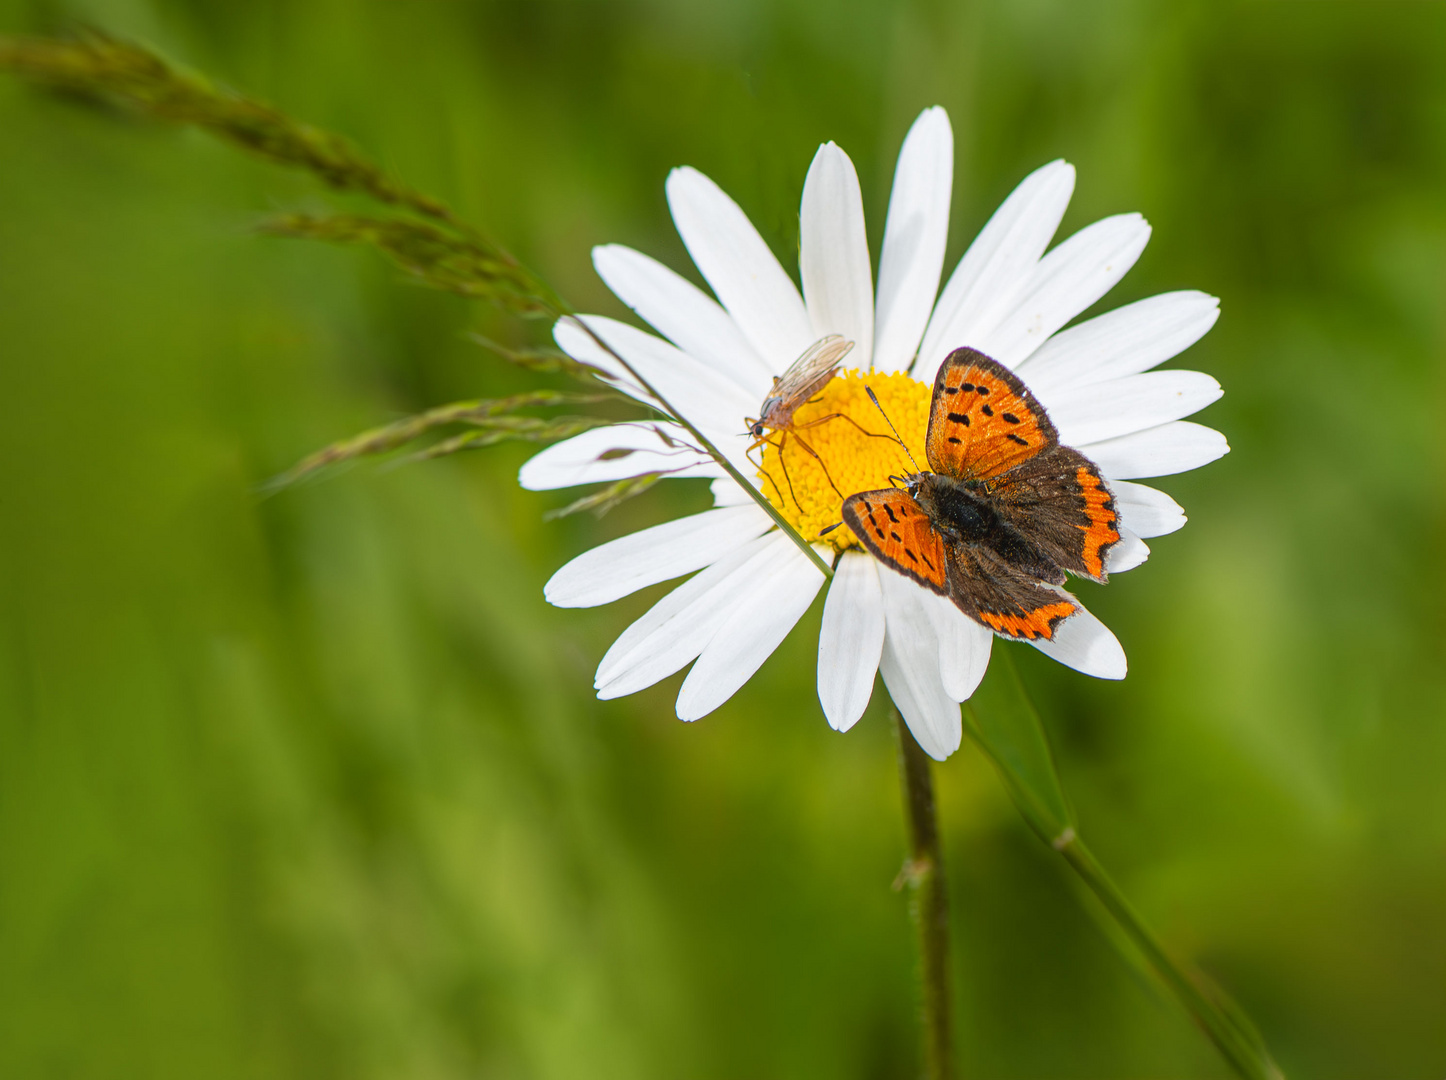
{"x":1005,"y":511}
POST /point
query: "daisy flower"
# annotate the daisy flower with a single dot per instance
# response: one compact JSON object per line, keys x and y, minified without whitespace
{"x":716,"y":361}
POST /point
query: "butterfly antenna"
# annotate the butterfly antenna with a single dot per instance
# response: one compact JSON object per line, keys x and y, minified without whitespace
{"x":870,"y":391}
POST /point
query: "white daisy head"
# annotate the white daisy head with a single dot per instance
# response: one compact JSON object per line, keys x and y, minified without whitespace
{"x":717,"y":360}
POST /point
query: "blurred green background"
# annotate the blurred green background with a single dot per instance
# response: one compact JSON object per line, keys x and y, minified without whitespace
{"x":316,"y":786}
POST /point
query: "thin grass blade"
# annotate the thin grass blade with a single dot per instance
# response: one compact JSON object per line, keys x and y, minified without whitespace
{"x":600,"y":502}
{"x":1003,"y":722}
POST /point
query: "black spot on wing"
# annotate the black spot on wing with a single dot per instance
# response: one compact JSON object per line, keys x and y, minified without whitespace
{"x":890,"y":511}
{"x":1009,"y":418}
{"x":1015,"y":438}
{"x":986,"y":410}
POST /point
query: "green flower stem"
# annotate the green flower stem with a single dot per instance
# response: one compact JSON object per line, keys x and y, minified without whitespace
{"x":923,"y":875}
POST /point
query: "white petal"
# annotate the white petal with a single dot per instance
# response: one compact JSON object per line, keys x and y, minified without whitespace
{"x":850,"y":640}
{"x":1170,"y":448}
{"x":914,"y":238}
{"x":743,"y":273}
{"x":614,"y":453}
{"x":1125,"y":341}
{"x":712,"y":403}
{"x":1067,"y":280}
{"x":683,"y":313}
{"x":833,"y":257}
{"x":1104,"y":410}
{"x":997,"y":266}
{"x":758,"y":621}
{"x":1146,"y":511}
{"x":574,"y":340}
{"x":676,"y":628}
{"x":670,"y":550}
{"x":727,"y":492}
{"x":964,"y":647}
{"x":1085,"y":644}
{"x":1129,"y":552}
{"x":909,"y":665}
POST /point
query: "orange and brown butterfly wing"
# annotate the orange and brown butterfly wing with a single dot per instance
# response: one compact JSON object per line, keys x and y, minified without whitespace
{"x":986,"y":425}
{"x":981,"y":583}
{"x":1062,"y":503}
{"x":983,"y":420}
{"x":1003,"y":598}
{"x":898,"y":533}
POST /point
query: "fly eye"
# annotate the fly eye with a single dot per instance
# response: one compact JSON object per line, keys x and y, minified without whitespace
{"x":756,"y":431}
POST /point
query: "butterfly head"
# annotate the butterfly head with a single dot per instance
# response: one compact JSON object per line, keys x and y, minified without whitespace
{"x":919,"y":485}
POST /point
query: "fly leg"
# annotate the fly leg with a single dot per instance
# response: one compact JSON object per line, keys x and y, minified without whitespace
{"x":783,"y":464}
{"x":842,"y":416}
{"x":814,"y":454}
{"x":759,"y":464}
{"x":824,"y":419}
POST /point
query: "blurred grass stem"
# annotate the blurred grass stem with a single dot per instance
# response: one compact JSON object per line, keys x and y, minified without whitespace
{"x":457,"y":257}
{"x":1228,"y":1029}
{"x":923,"y":876}
{"x":1004,"y":724}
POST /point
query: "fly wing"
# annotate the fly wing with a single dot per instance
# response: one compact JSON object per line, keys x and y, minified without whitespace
{"x":811,"y":372}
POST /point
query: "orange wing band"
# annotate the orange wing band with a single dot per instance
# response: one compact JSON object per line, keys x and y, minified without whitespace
{"x":1101,"y":531}
{"x":1037,"y":623}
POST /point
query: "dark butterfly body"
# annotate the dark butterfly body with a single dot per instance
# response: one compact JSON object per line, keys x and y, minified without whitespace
{"x":1004,"y":514}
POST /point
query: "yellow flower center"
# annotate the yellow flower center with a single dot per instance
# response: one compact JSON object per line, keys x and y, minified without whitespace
{"x":853,"y":446}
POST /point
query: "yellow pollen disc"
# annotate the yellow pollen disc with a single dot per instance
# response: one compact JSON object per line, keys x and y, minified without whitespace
{"x":797,"y":485}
